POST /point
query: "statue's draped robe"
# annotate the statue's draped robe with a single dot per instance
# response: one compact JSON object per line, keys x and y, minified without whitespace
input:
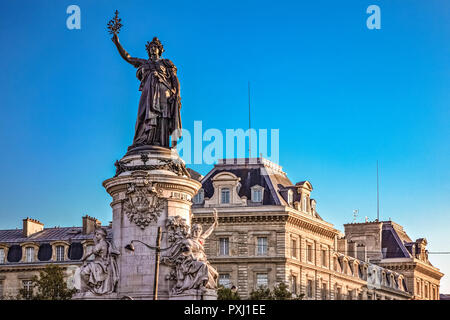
{"x":102,"y":274}
{"x":193,"y":271}
{"x":159,"y":99}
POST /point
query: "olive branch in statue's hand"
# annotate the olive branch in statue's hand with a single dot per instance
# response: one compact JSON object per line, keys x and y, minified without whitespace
{"x":114,"y":24}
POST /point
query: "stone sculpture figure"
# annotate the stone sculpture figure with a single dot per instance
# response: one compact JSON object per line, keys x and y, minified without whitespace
{"x":159,"y":106}
{"x":100,"y":275}
{"x":187,"y":256}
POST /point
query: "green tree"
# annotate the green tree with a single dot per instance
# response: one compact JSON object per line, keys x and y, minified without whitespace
{"x":262,"y":293}
{"x":227,"y":294}
{"x":50,"y":285}
{"x":281,"y":292}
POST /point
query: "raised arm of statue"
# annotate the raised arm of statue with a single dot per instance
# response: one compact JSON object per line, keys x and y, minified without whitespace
{"x":210,"y":230}
{"x":136,"y":62}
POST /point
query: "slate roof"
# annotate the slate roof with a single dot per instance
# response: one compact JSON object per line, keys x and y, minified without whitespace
{"x":394,"y":241}
{"x":251,"y":174}
{"x":255,"y":171}
{"x":68,"y":234}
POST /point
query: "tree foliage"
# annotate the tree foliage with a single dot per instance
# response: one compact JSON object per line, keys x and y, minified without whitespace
{"x":262,"y":293}
{"x":227,"y":294}
{"x":279,"y":292}
{"x":50,"y":285}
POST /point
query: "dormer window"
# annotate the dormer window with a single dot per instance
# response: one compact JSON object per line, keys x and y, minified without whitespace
{"x":199,"y":197}
{"x":257,"y":193}
{"x":2,"y":255}
{"x":225,"y":195}
{"x":305,"y":203}
{"x":29,"y":254}
{"x":290,"y":197}
{"x":59,"y":253}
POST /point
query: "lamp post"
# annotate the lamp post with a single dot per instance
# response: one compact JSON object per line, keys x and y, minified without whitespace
{"x":157,"y":257}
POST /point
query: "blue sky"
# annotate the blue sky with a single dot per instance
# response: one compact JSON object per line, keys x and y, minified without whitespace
{"x":342,"y":96}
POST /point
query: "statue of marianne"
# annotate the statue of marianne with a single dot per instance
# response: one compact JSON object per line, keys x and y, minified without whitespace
{"x":159,"y":107}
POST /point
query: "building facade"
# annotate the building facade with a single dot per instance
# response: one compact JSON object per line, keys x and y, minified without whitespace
{"x":270,"y":232}
{"x":24,"y":252}
{"x":389,"y":246}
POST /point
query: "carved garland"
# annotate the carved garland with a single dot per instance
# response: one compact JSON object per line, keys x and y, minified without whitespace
{"x":174,"y":166}
{"x":143,"y":205}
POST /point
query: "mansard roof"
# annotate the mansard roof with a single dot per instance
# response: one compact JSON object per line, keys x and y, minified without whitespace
{"x":15,"y":236}
{"x":255,"y":171}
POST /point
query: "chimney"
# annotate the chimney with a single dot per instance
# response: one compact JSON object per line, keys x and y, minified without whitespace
{"x":361,"y":252}
{"x":31,"y":226}
{"x":351,"y":249}
{"x":89,"y":224}
{"x":342,"y":246}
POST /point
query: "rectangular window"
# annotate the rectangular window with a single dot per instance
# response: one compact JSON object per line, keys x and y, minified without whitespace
{"x":224,"y":247}
{"x":29,"y":254}
{"x":224,"y":280}
{"x":290,"y":197}
{"x":324,"y":257}
{"x":338,"y":293}
{"x":28,"y":288}
{"x":309,"y":288}
{"x":59,"y":253}
{"x":294,"y":248}
{"x":305,"y":204}
{"x":199,"y":197}
{"x":1,"y":289}
{"x":324,"y":291}
{"x":350,"y":295}
{"x":262,"y":246}
{"x":309,"y":252}
{"x":294,"y":285}
{"x":262,"y":280}
{"x":225,"y":195}
{"x":2,"y":255}
{"x":256,"y":195}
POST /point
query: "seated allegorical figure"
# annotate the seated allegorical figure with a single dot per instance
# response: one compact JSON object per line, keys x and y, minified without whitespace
{"x":187,"y":256}
{"x":100,"y":275}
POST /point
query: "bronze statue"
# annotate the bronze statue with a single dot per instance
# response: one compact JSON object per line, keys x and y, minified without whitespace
{"x":158,"y":116}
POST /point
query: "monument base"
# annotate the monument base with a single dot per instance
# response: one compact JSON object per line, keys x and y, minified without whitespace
{"x":92,"y":296}
{"x":196,"y":295}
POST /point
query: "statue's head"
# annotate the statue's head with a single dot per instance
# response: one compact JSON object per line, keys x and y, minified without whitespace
{"x":99,"y":234}
{"x":196,"y":230}
{"x":155,"y":47}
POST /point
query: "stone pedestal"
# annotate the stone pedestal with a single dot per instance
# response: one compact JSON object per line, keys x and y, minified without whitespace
{"x":196,"y":295}
{"x":151,"y":184}
{"x":92,"y":296}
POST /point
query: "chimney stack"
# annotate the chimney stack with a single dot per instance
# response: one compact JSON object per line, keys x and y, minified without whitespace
{"x":31,"y":226}
{"x":89,"y":224}
{"x":361,"y":252}
{"x":342,"y":246}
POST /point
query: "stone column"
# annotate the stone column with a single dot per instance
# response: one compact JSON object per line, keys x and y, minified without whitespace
{"x":149,"y":187}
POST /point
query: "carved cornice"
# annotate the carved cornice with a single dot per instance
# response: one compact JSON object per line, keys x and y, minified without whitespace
{"x":270,"y":218}
{"x":311,"y":226}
